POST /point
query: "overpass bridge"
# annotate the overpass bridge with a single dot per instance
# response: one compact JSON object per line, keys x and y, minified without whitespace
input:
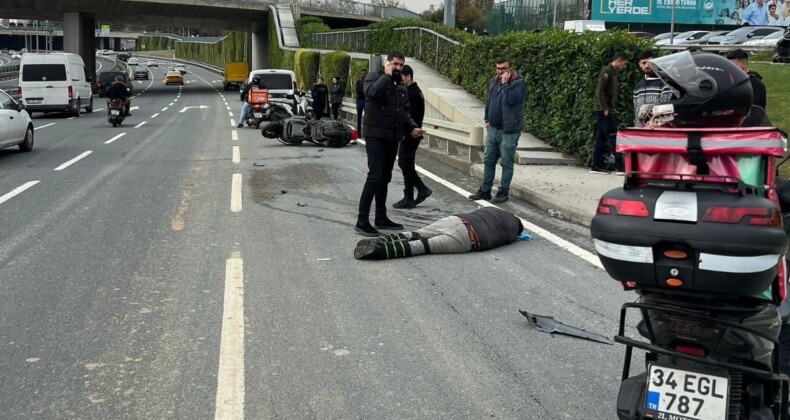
{"x":79,"y":18}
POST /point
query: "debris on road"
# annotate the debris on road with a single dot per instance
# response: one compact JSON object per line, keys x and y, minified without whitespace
{"x":550,"y":325}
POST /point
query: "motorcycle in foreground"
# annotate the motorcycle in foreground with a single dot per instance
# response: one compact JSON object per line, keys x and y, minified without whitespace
{"x":262,"y":109}
{"x":116,"y":113}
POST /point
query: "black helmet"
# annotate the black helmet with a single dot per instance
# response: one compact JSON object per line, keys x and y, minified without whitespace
{"x":118,"y":79}
{"x":707,"y":90}
{"x":256,"y":80}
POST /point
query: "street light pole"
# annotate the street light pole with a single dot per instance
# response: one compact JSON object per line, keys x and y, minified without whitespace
{"x":554,"y":22}
{"x":672,"y":25}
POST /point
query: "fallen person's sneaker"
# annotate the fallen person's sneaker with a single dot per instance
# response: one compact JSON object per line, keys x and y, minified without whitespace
{"x":369,"y":249}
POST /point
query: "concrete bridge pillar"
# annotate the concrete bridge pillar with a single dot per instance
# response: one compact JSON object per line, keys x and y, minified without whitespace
{"x":79,"y":37}
{"x":259,"y":50}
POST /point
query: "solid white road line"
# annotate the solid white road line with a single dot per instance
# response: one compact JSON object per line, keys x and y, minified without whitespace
{"x":73,"y":161}
{"x":44,"y":126}
{"x":556,"y":240}
{"x":114,"y":138}
{"x":16,"y":191}
{"x":155,"y":115}
{"x":234,"y":135}
{"x":236,"y":154}
{"x":230,"y":376}
{"x":140,"y":125}
{"x":235,"y":194}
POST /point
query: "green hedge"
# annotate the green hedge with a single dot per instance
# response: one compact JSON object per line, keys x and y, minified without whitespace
{"x":333,"y":64}
{"x":306,"y":68}
{"x":357,"y":65}
{"x":307,"y":26}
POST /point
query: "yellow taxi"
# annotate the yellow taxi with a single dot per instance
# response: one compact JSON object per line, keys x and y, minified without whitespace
{"x":174,"y":76}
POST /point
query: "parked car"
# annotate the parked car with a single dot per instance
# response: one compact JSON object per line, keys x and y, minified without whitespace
{"x":141,"y":73}
{"x":18,"y":129}
{"x":132,"y":61}
{"x":704,"y":40}
{"x":174,"y":77}
{"x":16,"y":56}
{"x":107,"y":77}
{"x":125,"y":57}
{"x":769,"y":40}
{"x":152,"y":63}
{"x":746,"y":33}
{"x":646,"y":35}
{"x":682,"y":37}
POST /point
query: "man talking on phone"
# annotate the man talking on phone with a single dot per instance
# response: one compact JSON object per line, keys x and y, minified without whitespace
{"x":385,"y":122}
{"x":504,"y":119}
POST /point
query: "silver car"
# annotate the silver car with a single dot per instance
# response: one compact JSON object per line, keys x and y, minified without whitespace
{"x":746,"y":33}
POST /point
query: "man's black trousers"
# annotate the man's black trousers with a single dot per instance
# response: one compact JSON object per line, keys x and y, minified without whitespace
{"x":406,"y":155}
{"x":381,"y":160}
{"x":605,"y":136}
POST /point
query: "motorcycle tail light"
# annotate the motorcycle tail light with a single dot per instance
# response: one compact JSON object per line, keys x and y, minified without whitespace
{"x":354,"y":135}
{"x":734,"y":215}
{"x":622,"y":207}
{"x":690,"y":350}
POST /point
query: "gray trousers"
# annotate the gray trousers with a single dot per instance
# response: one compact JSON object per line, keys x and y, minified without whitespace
{"x":448,"y":235}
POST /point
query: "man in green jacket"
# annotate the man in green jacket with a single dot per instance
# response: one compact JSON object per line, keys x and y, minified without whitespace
{"x":606,"y":90}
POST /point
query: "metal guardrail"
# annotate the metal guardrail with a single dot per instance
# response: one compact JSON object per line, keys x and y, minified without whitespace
{"x":9,"y":72}
{"x":351,"y":7}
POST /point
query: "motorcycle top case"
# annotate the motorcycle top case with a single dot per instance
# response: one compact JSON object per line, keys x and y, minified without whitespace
{"x":671,"y":228}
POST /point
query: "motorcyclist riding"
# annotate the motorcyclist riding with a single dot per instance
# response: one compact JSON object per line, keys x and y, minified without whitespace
{"x":244,"y":94}
{"x":118,"y":90}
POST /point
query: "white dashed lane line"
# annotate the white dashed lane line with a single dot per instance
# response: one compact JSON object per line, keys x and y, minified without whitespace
{"x":164,"y":109}
{"x":141,"y":124}
{"x":73,"y":161}
{"x":236,"y":154}
{"x":230,"y":375}
{"x":234,"y":135}
{"x":45,"y":126}
{"x":155,"y":115}
{"x":16,"y":191}
{"x":98,"y":109}
{"x":114,"y":138}
{"x":235,"y":193}
{"x":232,"y":122}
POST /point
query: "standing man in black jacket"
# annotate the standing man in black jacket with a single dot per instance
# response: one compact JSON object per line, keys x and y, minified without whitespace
{"x":741,"y":59}
{"x":408,"y":147}
{"x":320,"y":94}
{"x":359,"y":87}
{"x":386,"y":121}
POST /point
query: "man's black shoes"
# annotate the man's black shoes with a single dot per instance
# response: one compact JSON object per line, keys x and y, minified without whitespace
{"x":386,"y":223}
{"x":405,"y":203}
{"x":481,"y":195}
{"x":500,"y":197}
{"x":364,"y":228}
{"x":422,"y":194}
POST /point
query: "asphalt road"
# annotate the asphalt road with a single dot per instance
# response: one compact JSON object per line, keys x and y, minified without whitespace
{"x":179,"y":270}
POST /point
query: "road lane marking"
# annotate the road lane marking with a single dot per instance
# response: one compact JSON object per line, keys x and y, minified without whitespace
{"x":44,"y":126}
{"x":73,"y":161}
{"x":16,"y":191}
{"x":230,"y":114}
{"x":228,"y":108}
{"x":556,"y":240}
{"x":232,"y":122}
{"x":155,"y":115}
{"x":164,"y":109}
{"x":141,"y":124}
{"x":98,"y":109}
{"x":114,"y":138}
{"x":234,"y":135}
{"x":175,"y":100}
{"x":171,"y":103}
{"x":235,"y":194}
{"x":230,"y":375}
{"x":71,"y":118}
{"x":236,"y":154}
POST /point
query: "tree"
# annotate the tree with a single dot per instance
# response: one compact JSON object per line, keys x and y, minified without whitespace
{"x":471,"y":14}
{"x":434,"y":14}
{"x":388,"y":3}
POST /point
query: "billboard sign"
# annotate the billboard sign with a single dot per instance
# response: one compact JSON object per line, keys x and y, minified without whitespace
{"x":707,"y":12}
{"x":105,"y":30}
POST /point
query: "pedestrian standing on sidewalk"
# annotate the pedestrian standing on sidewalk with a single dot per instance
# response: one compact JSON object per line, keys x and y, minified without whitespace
{"x":483,"y":229}
{"x":606,"y":90}
{"x":359,"y":87}
{"x":407,"y":152}
{"x":504,"y":119}
{"x":740,"y":58}
{"x":386,"y":121}
{"x":320,"y":94}
{"x":651,"y":90}
{"x":336,"y":92}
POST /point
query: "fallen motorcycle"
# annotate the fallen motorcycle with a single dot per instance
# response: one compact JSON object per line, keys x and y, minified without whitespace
{"x":296,"y":130}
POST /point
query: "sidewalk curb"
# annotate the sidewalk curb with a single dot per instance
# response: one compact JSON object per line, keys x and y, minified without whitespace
{"x":541,"y":201}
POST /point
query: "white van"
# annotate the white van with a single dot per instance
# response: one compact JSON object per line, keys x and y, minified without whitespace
{"x":580,"y":26}
{"x":54,"y":82}
{"x":281,"y":84}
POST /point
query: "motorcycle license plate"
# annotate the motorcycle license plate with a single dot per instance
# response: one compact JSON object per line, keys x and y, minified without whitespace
{"x":115,"y":112}
{"x":258,"y":115}
{"x":682,"y":395}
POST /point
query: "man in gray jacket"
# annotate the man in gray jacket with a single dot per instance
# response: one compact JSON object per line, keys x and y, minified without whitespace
{"x":504,"y":119}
